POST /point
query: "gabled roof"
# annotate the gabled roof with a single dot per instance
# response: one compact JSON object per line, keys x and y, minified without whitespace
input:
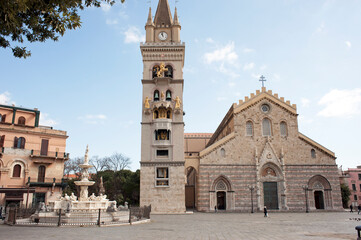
{"x":163,"y":14}
{"x":259,"y":96}
{"x":316,"y":145}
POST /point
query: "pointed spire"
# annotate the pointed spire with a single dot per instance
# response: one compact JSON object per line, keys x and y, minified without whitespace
{"x":150,"y":19}
{"x":163,"y":15}
{"x":175,"y":21}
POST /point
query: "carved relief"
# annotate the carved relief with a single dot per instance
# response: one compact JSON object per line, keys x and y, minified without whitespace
{"x":221,"y":186}
{"x":268,"y":172}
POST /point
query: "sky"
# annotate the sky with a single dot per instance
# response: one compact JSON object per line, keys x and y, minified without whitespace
{"x":89,"y":82}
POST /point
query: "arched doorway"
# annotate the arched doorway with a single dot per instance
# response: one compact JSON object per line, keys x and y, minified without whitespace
{"x":221,"y":200}
{"x":272,"y":187}
{"x":319,"y":203}
{"x":190,"y":188}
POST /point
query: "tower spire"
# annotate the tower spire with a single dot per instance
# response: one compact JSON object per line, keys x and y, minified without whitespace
{"x":163,"y":16}
{"x":175,"y":21}
{"x":150,"y":19}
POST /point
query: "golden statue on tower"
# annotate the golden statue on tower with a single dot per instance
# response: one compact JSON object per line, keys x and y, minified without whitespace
{"x":161,"y":70}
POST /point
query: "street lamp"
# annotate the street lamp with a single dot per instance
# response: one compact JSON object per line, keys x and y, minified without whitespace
{"x":251,"y":187}
{"x":306,"y":196}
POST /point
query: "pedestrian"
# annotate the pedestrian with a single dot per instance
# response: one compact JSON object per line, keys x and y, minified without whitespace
{"x":215,"y":208}
{"x":265,"y":211}
{"x":351,"y":208}
{"x":359,"y":209}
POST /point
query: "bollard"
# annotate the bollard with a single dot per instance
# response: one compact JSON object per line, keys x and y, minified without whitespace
{"x":99,"y":218}
{"x":358,"y":229}
{"x":59,"y":219}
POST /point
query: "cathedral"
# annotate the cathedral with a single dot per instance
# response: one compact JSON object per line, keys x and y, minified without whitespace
{"x":255,"y":158}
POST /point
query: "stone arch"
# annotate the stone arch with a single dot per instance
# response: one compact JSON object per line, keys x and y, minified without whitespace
{"x":191,"y":187}
{"x":319,"y":193}
{"x":22,"y":163}
{"x":221,"y":194}
{"x":271,"y":187}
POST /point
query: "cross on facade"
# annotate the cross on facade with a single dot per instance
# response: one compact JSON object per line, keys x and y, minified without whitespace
{"x":262,"y":79}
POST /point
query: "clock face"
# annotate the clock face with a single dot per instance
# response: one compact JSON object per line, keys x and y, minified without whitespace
{"x":162,"y":36}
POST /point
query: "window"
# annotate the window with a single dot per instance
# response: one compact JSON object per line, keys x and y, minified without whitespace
{"x":19,"y":142}
{"x":223,"y":152}
{"x":360,"y":187}
{"x":313,"y":153}
{"x":2,"y":140}
{"x":21,"y":121}
{"x":283,"y":129}
{"x":168,"y":95}
{"x":169,"y":72}
{"x":355,"y":197}
{"x":17,"y":171}
{"x":41,"y":174}
{"x":354,"y":187}
{"x":162,"y":113}
{"x":162,"y":134}
{"x":265,"y":108}
{"x":156,"y":95}
{"x":249,"y":128}
{"x":2,"y":118}
{"x":266,"y":127}
{"x":162,"y":153}
{"x":359,"y":177}
{"x":162,"y":178}
{"x":44,"y":147}
{"x":155,"y":70}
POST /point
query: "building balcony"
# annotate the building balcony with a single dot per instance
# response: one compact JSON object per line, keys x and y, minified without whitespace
{"x":46,"y":182}
{"x":52,"y":155}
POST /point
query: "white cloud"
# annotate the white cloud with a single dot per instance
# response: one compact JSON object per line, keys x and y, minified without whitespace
{"x":341,"y":103}
{"x":134,"y":35}
{"x":5,"y":99}
{"x":248,"y":50}
{"x":220,"y":99}
{"x":305,"y":102}
{"x":123,"y":14}
{"x":305,"y":120}
{"x":223,"y":54}
{"x":111,"y":22}
{"x":257,"y":76}
{"x":263,"y":67}
{"x":105,"y":7}
{"x":231,"y":84}
{"x":93,"y":119}
{"x":276,"y":77}
{"x":348,"y":44}
{"x":321,"y":28}
{"x":209,"y":40}
{"x":46,"y":121}
{"x":248,"y":66}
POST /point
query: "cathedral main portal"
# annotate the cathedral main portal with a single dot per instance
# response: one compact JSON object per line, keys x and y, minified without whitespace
{"x":270,"y":195}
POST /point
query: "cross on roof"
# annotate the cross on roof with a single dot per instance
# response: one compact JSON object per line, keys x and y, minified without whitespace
{"x":262,"y":79}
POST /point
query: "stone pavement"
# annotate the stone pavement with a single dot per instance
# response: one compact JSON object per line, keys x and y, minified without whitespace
{"x":320,"y":226}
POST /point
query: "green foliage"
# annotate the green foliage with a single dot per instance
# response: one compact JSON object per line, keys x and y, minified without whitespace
{"x":346,"y":193}
{"x":39,"y":20}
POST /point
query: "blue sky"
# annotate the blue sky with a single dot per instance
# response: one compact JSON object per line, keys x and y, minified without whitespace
{"x":89,"y":82}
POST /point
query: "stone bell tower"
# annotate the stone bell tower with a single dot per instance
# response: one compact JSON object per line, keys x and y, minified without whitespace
{"x":162,"y":176}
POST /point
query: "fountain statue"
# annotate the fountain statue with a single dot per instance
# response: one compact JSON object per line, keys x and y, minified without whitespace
{"x":84,"y":183}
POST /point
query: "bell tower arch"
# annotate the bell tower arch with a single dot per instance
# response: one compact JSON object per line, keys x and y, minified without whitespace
{"x":162,"y":178}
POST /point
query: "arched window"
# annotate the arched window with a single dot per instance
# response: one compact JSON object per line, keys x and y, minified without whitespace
{"x":283,"y":129}
{"x":169,"y":114}
{"x":249,"y":128}
{"x":169,"y":73}
{"x":154,"y":71}
{"x":162,"y":134}
{"x":41,"y":174}
{"x":21,"y":121}
{"x":2,"y":140}
{"x":156,"y":95}
{"x":313,"y":153}
{"x":17,"y":170}
{"x":266,"y":127}
{"x":156,"y":114}
{"x":168,"y":95}
{"x":223,"y":152}
{"x":19,"y":142}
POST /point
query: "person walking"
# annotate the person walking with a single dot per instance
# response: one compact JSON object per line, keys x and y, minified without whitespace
{"x":359,"y":209}
{"x":351,"y":208}
{"x":265,"y":211}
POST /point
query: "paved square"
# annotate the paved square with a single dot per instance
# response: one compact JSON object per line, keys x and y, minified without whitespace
{"x":208,"y":226}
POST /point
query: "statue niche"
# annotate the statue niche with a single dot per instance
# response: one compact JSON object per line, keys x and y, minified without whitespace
{"x":162,"y":113}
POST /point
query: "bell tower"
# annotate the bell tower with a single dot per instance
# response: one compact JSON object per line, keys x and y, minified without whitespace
{"x":162,"y":173}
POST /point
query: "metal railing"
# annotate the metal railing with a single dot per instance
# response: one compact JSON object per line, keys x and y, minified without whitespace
{"x":38,"y":153}
{"x":97,"y":217}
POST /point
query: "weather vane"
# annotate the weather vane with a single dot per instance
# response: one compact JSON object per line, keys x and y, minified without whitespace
{"x":262,"y":79}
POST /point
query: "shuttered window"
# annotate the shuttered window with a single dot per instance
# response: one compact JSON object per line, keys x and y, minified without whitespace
{"x":41,"y":174}
{"x":17,"y":170}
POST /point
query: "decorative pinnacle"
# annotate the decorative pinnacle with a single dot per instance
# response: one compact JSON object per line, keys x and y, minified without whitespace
{"x":176,"y":21}
{"x":86,"y":161}
{"x":150,"y":19}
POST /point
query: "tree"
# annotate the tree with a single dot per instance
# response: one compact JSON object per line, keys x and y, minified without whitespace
{"x":346,"y":193}
{"x":118,"y":162}
{"x":99,"y":164}
{"x":39,"y":20}
{"x":72,"y":166}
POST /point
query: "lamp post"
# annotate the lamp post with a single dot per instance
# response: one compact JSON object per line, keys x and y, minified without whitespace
{"x":251,"y":187}
{"x":306,"y":196}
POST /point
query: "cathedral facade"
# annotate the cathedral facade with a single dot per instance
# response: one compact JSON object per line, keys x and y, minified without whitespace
{"x":255,"y":158}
